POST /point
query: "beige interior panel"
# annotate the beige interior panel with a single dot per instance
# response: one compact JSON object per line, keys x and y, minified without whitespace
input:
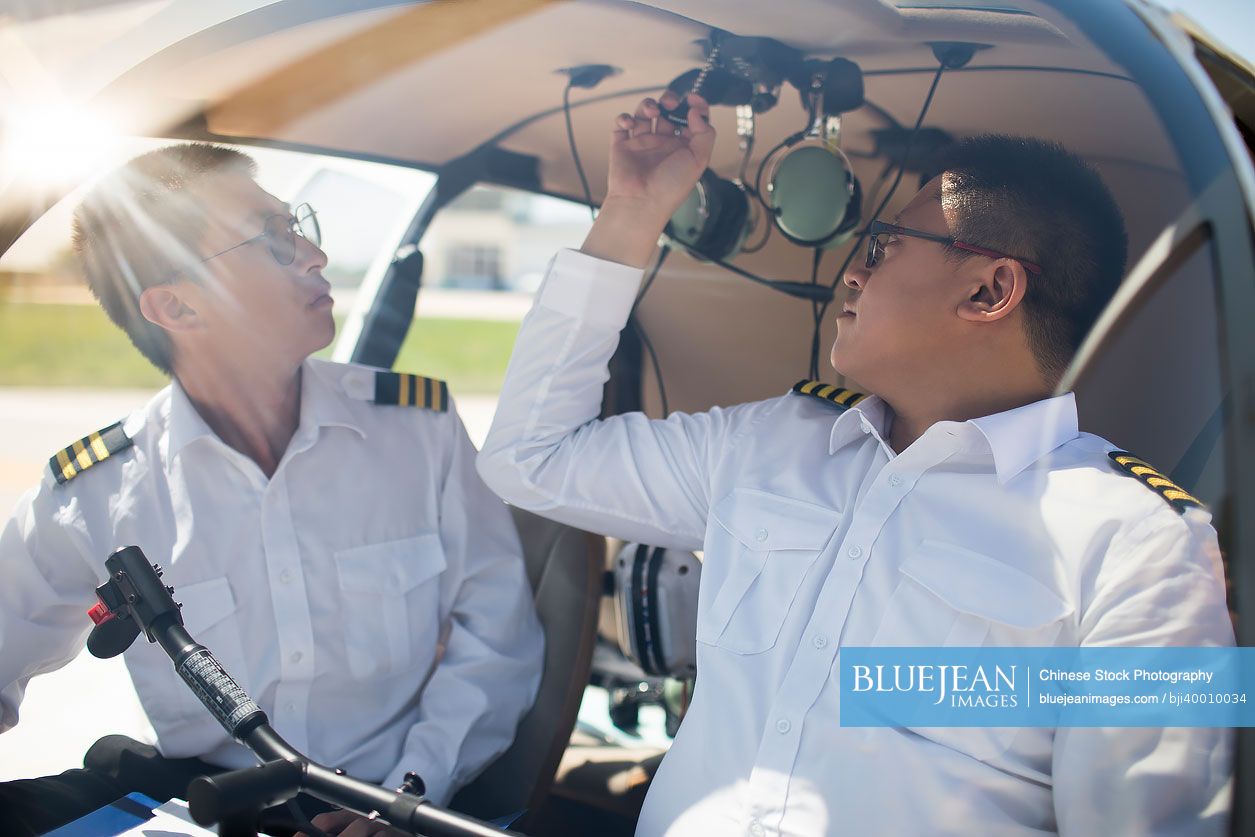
{"x":431,"y":82}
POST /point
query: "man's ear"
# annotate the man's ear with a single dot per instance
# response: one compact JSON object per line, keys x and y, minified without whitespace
{"x":169,"y":307}
{"x":994,"y":292}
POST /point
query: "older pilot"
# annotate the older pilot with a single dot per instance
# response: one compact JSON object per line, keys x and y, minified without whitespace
{"x":322,"y":523}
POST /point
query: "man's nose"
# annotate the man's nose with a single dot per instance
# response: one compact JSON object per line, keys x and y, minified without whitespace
{"x":309,"y":256}
{"x":856,"y":277}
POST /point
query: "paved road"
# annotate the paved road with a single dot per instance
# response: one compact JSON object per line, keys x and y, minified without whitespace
{"x":65,"y":711}
{"x":446,"y":303}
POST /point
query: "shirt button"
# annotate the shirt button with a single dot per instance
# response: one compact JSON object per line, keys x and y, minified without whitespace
{"x":783,"y":726}
{"x":756,"y":828}
{"x":760,"y":535}
{"x":820,"y":641}
{"x":290,"y":707}
{"x":285,"y":576}
{"x":855,"y":552}
{"x":296,"y":657}
{"x":895,"y":480}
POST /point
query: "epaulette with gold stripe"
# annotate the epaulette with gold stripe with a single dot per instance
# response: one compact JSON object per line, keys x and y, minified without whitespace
{"x":1175,"y":495}
{"x":844,"y":398}
{"x":411,"y":391}
{"x":86,"y":452}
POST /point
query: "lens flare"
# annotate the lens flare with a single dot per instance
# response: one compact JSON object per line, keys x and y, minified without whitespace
{"x":51,"y":143}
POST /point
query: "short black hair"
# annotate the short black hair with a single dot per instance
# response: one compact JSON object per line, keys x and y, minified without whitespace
{"x":139,"y":227}
{"x":1036,"y":200}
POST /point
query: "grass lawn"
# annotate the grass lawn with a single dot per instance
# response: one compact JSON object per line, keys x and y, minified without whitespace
{"x":77,"y":346}
{"x":470,"y":354}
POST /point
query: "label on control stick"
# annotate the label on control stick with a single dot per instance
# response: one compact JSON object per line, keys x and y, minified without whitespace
{"x":221,"y":695}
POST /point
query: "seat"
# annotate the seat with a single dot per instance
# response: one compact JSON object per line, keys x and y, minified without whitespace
{"x":564,"y":566}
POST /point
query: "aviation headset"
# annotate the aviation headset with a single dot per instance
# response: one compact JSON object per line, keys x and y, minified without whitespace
{"x":812,"y":194}
{"x":714,"y":219}
{"x":816,"y":200}
{"x":655,"y":594}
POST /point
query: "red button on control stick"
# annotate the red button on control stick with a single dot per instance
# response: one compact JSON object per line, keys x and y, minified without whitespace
{"x":99,"y":613}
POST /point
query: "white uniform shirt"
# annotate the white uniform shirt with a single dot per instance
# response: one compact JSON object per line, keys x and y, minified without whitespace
{"x":1010,"y":530}
{"x":324,"y":590}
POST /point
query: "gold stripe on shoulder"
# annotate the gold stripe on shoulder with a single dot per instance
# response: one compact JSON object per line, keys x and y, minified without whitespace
{"x":406,"y":390}
{"x":1173,"y":494}
{"x":69,"y":462}
{"x":62,"y":466}
{"x":831,"y":393}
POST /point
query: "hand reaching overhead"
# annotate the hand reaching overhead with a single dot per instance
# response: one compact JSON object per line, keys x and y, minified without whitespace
{"x":655,"y":162}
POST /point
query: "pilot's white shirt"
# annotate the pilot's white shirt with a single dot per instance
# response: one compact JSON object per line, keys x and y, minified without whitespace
{"x":1013,"y":529}
{"x":324,"y":590}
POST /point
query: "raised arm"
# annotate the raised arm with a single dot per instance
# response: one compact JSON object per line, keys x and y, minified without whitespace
{"x":627,"y":476}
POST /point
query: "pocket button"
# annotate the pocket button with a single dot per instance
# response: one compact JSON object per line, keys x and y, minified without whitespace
{"x":760,"y":535}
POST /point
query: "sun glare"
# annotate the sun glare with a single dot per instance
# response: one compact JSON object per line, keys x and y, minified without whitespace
{"x":50,"y":143}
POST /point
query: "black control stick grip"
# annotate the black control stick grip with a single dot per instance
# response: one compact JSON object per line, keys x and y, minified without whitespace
{"x":219,"y":798}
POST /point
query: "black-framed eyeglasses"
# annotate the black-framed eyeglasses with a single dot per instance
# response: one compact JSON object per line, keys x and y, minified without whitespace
{"x":876,"y":247}
{"x":279,"y":232}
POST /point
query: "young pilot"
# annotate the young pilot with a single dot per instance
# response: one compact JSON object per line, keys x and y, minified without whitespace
{"x":958,"y":505}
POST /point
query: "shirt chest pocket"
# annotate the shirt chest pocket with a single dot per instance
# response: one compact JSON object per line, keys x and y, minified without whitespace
{"x":209,"y":613}
{"x":390,"y":593}
{"x":759,"y":549}
{"x":952,"y":596}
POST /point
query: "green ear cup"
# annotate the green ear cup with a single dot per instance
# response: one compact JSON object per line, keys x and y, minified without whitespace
{"x":687,"y":222}
{"x":810,"y":192}
{"x":713,"y":220}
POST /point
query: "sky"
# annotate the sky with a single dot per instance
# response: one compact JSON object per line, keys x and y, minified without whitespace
{"x":1231,"y":21}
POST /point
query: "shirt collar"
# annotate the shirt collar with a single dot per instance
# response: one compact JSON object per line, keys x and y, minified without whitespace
{"x":322,"y":405}
{"x":1021,"y":436}
{"x":1017,"y":438}
{"x":870,"y":416}
{"x":185,"y":424}
{"x":323,"y":399}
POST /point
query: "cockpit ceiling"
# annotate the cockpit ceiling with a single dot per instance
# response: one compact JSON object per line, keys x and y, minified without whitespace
{"x":428,"y":82}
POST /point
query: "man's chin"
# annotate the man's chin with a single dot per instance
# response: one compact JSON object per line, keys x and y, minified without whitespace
{"x":323,"y":334}
{"x":841,"y":361}
{"x":846,"y":364}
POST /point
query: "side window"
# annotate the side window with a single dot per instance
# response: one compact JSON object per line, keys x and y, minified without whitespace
{"x":363,"y":212}
{"x":484,"y":256}
{"x":358,"y":219}
{"x":1155,"y":385}
{"x":474,"y":266}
